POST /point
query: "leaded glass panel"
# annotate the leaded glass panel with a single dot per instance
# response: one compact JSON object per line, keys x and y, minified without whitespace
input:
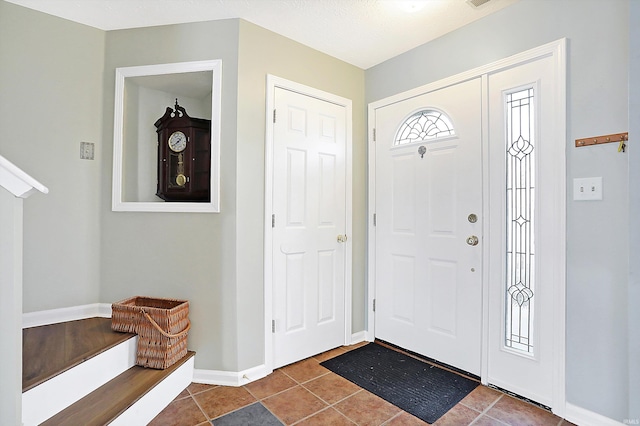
{"x":520,"y":196}
{"x":424,"y":125}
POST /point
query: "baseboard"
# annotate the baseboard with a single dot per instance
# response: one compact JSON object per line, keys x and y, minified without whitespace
{"x":363,"y":336}
{"x":103,"y":310}
{"x":230,"y":378}
{"x":73,"y":313}
{"x":359,"y":337}
{"x":584,"y":417}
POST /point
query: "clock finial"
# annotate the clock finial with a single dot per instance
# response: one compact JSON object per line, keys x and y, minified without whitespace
{"x":179,"y":111}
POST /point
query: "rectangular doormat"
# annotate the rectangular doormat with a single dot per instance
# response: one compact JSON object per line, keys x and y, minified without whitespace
{"x":422,"y":389}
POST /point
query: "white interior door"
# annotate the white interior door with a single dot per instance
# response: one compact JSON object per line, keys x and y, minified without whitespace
{"x":427,"y":192}
{"x":526,"y":253}
{"x":309,"y":243}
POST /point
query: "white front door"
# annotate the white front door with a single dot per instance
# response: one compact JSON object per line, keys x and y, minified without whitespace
{"x":309,"y":226}
{"x":428,"y":205}
{"x":526,"y":253}
{"x":427,"y":290}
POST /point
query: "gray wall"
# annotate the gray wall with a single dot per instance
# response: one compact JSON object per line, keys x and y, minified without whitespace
{"x":77,"y":251}
{"x":634,"y":211}
{"x":263,"y":52}
{"x":216,"y":260}
{"x":177,"y":255}
{"x":50,"y":101}
{"x":597,"y":232}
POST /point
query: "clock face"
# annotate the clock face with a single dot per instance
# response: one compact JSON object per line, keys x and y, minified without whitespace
{"x":177,"y":141}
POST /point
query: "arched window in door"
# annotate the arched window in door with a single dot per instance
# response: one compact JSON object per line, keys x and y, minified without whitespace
{"x":424,"y":125}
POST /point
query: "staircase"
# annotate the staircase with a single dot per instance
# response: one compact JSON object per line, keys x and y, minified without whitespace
{"x":83,"y":373}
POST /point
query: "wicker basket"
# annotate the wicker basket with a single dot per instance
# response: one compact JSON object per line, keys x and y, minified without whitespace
{"x":162,"y":326}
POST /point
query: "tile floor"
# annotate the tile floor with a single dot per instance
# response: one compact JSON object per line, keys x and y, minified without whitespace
{"x":306,"y":393}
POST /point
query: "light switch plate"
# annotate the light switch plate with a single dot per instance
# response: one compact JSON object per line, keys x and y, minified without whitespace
{"x":587,"y":189}
{"x":87,"y":150}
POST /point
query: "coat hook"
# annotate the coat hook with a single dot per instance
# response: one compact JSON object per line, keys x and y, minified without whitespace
{"x":615,"y":137}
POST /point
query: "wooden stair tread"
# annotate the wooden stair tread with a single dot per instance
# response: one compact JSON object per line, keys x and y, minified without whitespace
{"x":66,"y":344}
{"x":103,"y":405}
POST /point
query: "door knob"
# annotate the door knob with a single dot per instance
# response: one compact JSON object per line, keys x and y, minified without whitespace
{"x":472,"y":240}
{"x":342,"y":238}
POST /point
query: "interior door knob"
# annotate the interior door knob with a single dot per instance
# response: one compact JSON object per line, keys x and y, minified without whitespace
{"x":472,"y":240}
{"x":342,"y":238}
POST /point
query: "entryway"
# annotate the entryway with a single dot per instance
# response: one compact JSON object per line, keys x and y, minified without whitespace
{"x":466,"y":235}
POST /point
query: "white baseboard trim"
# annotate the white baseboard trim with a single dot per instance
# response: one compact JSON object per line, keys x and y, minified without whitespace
{"x":584,"y":417}
{"x":230,"y":378}
{"x":367,"y":336}
{"x":358,"y":337}
{"x":72,"y":313}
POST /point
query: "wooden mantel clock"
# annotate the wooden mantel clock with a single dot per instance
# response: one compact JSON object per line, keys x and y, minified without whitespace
{"x":184,"y":156}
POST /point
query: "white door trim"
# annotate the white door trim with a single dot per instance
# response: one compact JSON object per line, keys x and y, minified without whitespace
{"x":272,"y":83}
{"x":556,"y":49}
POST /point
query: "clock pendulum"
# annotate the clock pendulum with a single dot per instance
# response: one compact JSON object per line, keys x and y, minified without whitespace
{"x":180,"y":178}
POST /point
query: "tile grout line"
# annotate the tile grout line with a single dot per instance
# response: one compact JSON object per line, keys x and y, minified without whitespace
{"x":328,"y":407}
{"x":272,"y":413}
{"x":297,"y":383}
{"x":209,"y":419}
{"x":386,"y":422}
{"x":327,"y":402}
{"x":206,"y":416}
{"x":300,"y":382}
{"x":486,"y":410}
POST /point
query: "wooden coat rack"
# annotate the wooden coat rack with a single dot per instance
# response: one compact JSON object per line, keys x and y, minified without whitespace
{"x":620,"y":138}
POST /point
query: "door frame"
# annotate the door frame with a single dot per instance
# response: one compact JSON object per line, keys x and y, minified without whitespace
{"x":272,"y":83}
{"x":557,"y":50}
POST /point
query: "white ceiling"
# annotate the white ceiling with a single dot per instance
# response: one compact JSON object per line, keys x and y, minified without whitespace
{"x":361,"y":32}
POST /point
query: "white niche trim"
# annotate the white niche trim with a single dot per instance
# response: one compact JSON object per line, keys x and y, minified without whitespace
{"x":177,"y":80}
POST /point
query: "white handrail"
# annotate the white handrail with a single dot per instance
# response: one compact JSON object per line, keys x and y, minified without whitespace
{"x":16,"y":181}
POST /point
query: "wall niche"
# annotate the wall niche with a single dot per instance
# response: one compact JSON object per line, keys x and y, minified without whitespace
{"x":142,"y":96}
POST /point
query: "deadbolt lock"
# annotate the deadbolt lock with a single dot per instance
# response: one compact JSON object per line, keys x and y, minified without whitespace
{"x":472,"y":218}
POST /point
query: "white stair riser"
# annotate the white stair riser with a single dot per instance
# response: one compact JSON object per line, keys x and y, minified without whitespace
{"x":57,"y":393}
{"x":152,"y":403}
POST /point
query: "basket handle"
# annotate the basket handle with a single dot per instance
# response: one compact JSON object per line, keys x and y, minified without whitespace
{"x":164,"y":333}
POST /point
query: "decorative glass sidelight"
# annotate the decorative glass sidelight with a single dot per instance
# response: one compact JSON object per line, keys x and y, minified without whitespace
{"x":520,"y":221}
{"x":424,"y":125}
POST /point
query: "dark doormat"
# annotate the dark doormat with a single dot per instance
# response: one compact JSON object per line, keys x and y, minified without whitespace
{"x":417,"y":387}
